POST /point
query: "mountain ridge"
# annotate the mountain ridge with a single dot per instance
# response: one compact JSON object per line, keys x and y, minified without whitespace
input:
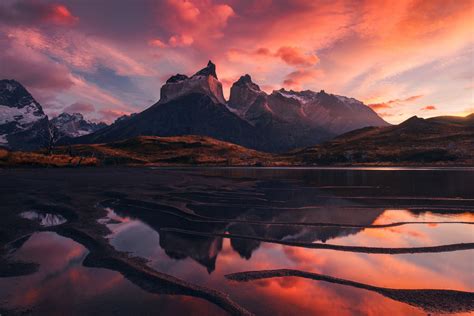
{"x":275,"y":126}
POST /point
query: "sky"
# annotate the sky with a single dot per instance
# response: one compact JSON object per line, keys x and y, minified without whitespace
{"x":106,"y":58}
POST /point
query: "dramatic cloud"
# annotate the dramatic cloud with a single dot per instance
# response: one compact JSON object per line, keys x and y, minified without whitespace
{"x":371,"y":50}
{"x":31,"y":68}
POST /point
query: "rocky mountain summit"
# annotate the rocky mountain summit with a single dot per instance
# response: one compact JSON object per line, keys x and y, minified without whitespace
{"x":281,"y":121}
{"x":332,"y":113}
{"x":74,"y":125}
{"x":203,"y":82}
{"x":23,"y":124}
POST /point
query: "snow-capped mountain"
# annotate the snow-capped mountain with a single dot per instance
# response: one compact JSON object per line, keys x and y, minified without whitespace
{"x":335,"y":113}
{"x":23,"y":124}
{"x":280,"y":121}
{"x":332,"y":113}
{"x":74,"y":125}
{"x":195,"y":105}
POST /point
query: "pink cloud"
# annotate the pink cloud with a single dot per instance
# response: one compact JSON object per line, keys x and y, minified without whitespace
{"x":180,"y":40}
{"x":80,"y":107}
{"x":371,"y":50}
{"x":32,"y":68}
{"x":109,"y":115}
{"x":293,"y":56}
{"x":297,"y":78}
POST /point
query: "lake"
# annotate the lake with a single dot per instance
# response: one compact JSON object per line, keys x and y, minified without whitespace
{"x":217,"y":241}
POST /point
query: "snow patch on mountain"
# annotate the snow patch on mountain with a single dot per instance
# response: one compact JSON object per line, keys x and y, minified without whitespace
{"x":294,"y":95}
{"x":74,"y":125}
{"x":23,"y":117}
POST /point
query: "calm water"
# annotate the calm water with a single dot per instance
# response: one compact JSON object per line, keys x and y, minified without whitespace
{"x":201,"y":224}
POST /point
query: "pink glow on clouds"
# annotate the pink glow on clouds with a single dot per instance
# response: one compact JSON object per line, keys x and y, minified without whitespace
{"x":381,"y":52}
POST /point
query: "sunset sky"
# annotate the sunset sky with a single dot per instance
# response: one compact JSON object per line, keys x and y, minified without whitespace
{"x":105,"y":58}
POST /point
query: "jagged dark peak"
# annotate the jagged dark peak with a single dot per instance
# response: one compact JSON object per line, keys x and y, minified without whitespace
{"x":209,"y":70}
{"x":246,"y":80}
{"x":14,"y":94}
{"x":177,"y":78}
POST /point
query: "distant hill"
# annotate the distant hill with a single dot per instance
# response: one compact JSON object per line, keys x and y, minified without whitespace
{"x":445,"y":140}
{"x":438,"y":141}
{"x":170,"y":151}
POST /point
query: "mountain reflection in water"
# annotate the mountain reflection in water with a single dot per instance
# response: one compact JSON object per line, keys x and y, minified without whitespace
{"x":147,"y":211}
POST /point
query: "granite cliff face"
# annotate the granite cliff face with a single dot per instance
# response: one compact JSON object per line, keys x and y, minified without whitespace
{"x":203,"y":82}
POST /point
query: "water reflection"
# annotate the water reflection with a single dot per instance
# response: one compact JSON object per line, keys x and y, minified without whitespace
{"x":182,"y":256}
{"x":62,"y":286}
{"x":341,"y":207}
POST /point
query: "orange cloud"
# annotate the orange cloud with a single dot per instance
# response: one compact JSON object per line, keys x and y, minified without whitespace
{"x":293,"y":56}
{"x":428,"y":108}
{"x":378,"y":106}
{"x":389,"y":104}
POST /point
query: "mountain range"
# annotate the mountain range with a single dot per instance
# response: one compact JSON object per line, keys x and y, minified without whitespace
{"x":194,"y":105}
{"x":278,"y":122}
{"x":193,"y":123}
{"x":75,"y":125}
{"x":25,"y":126}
